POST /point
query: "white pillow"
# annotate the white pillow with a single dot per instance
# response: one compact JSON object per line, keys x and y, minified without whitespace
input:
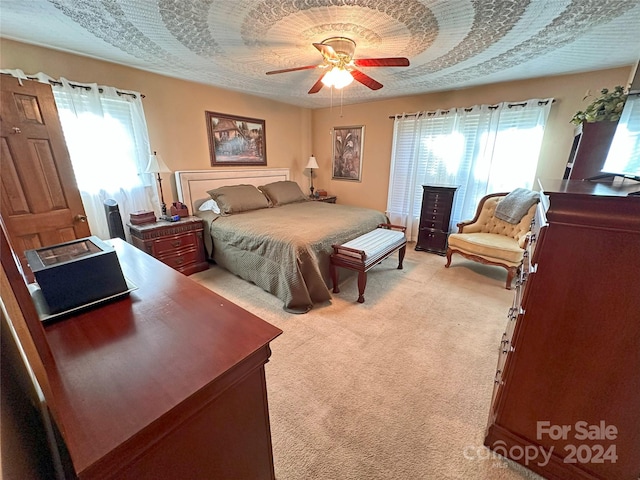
{"x":210,"y":205}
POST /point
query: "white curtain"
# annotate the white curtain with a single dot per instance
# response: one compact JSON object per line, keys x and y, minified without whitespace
{"x":480,"y":150}
{"x":106,"y":134}
{"x":624,"y":154}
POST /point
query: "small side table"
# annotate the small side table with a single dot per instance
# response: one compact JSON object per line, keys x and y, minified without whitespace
{"x":325,"y":199}
{"x":178,"y":244}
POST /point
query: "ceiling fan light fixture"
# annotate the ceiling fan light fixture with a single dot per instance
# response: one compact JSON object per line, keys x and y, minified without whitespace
{"x":339,"y":68}
{"x":337,"y":78}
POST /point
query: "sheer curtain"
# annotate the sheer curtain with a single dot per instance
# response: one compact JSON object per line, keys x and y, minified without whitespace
{"x":106,"y":134}
{"x":482,"y":149}
{"x":624,"y":154}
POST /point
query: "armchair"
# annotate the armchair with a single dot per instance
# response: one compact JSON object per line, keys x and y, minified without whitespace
{"x":490,"y":240}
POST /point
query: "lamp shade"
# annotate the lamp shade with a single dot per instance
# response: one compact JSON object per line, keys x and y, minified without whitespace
{"x":337,"y":77}
{"x":312,"y":162}
{"x":156,"y":165}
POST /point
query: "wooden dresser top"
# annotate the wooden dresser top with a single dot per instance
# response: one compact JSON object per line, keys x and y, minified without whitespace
{"x":131,"y":367}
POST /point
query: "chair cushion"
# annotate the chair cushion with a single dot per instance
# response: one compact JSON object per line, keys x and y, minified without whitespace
{"x":489,"y":245}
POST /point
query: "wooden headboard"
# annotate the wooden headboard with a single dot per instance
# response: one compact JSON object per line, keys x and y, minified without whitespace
{"x":192,"y":185}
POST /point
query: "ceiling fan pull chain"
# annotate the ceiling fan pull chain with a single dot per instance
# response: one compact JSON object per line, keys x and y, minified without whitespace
{"x":331,"y":99}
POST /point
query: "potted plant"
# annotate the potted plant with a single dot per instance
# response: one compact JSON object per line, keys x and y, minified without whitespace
{"x":606,"y":108}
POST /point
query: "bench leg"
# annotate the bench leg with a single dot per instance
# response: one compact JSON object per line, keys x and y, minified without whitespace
{"x":334,"y":277}
{"x":362,"y":284}
{"x":401,"y":253}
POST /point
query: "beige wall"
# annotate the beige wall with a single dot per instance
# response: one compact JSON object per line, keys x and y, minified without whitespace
{"x":568,"y":91}
{"x":175,"y":117}
{"x":174,"y":108}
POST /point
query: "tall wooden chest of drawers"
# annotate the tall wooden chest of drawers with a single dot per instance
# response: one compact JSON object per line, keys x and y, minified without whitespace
{"x":178,"y":244}
{"x":435,"y":216}
{"x":567,"y":386}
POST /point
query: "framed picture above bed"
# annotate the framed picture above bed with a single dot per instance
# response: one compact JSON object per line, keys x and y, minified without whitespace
{"x":236,"y":140}
{"x":348,"y":145}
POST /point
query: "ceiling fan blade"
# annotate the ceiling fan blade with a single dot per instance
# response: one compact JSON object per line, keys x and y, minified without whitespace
{"x":318,"y":85}
{"x":382,"y":62}
{"x":295,"y":69}
{"x":366,"y":80}
{"x":327,"y":51}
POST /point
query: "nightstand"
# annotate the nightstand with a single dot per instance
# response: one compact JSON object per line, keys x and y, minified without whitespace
{"x":325,"y":199}
{"x":178,"y":244}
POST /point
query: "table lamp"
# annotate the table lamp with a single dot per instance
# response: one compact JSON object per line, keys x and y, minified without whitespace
{"x":311,"y":164}
{"x":156,"y":165}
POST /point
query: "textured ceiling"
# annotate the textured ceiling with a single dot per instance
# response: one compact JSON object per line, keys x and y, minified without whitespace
{"x":231,"y":44}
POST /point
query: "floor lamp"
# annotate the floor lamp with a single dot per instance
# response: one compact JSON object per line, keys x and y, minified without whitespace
{"x":156,"y":165}
{"x":311,"y":164}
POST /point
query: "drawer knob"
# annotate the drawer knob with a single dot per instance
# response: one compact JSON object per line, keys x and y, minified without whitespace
{"x":176,"y":243}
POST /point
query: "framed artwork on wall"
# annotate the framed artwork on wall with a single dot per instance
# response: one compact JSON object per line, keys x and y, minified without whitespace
{"x":348,"y":145}
{"x":236,"y":140}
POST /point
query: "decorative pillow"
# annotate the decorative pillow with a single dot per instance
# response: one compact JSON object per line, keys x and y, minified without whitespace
{"x":283,"y":192}
{"x":210,"y":205}
{"x":238,"y":198}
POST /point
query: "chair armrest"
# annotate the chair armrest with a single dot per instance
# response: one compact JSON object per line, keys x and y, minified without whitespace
{"x":523,"y":240}
{"x":461,"y":226}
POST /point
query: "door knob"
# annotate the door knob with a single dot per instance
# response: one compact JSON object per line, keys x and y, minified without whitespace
{"x":80,"y":218}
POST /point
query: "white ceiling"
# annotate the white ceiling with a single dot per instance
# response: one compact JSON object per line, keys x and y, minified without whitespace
{"x":232,"y":44}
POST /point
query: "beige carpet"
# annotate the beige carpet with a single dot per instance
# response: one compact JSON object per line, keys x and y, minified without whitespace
{"x":396,"y":388}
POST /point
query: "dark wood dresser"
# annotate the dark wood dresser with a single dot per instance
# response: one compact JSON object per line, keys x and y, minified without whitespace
{"x":567,"y":384}
{"x":165,"y":382}
{"x":178,"y":244}
{"x":435,"y":216}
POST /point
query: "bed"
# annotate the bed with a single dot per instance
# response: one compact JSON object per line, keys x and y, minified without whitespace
{"x":283,"y":248}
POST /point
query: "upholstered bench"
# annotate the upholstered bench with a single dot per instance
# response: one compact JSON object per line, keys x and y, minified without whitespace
{"x":366,"y":251}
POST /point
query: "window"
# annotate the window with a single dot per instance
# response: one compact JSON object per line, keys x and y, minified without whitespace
{"x":484,"y":149}
{"x":106,"y":135}
{"x":624,"y":153}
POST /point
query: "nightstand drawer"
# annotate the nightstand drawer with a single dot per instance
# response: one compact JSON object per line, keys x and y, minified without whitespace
{"x":181,"y":259}
{"x":177,"y":242}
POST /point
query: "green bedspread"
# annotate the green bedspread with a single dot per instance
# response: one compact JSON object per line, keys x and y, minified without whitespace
{"x":285,"y":250}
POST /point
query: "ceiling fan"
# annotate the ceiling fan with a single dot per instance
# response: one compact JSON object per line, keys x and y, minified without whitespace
{"x":340,"y":67}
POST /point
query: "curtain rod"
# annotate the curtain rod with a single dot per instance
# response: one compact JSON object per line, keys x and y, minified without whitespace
{"x":75,"y":85}
{"x":493,"y":107}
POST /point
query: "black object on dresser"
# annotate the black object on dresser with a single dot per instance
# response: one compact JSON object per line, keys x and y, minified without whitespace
{"x":435,"y":216}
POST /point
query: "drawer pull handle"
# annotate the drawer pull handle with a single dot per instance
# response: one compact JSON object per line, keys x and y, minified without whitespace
{"x":179,"y":261}
{"x":176,"y":243}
